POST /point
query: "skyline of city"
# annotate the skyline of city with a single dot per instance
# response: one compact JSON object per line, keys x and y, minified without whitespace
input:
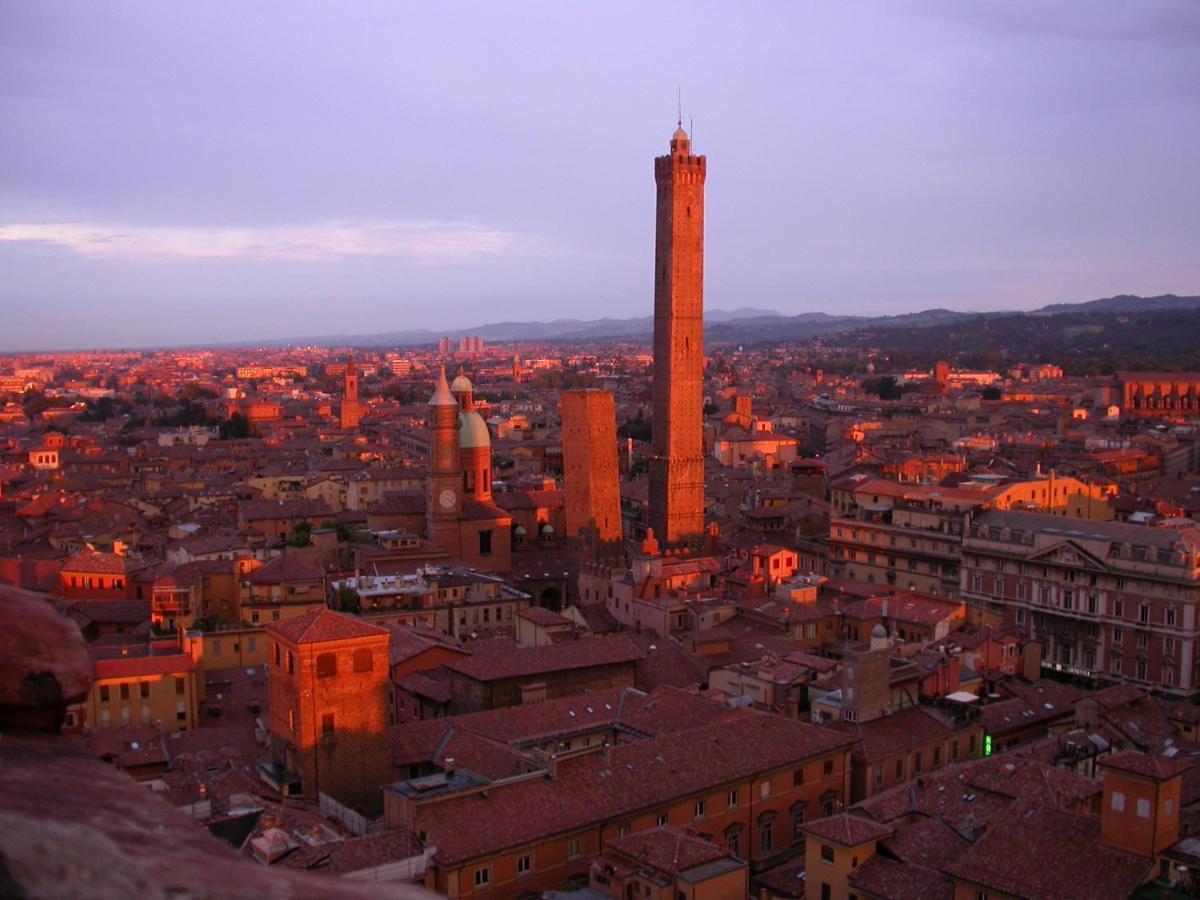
{"x":179,"y":179}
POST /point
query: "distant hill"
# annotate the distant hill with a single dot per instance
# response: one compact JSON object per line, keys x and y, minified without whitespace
{"x":744,"y":325}
{"x":1125,"y":303}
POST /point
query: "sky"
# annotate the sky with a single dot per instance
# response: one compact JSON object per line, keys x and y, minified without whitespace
{"x":221,"y":171}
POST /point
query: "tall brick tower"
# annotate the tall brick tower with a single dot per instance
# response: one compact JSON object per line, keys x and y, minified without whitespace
{"x":443,"y":495}
{"x":590,"y":476}
{"x":677,"y":460}
{"x":350,"y":413}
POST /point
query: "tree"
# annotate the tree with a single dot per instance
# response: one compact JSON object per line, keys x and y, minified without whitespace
{"x":237,"y":427}
{"x":348,"y":600}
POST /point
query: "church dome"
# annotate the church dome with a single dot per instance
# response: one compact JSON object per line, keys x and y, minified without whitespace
{"x":461,"y":385}
{"x":679,"y":135}
{"x":879,"y":631}
{"x":473,"y":431}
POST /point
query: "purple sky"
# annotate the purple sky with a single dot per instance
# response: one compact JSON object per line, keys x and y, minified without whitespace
{"x":212,"y":171}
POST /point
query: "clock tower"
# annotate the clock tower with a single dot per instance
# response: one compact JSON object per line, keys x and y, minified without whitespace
{"x":443,"y":500}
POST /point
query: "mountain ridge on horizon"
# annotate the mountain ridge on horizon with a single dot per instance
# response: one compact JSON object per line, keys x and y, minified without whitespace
{"x":720,"y":324}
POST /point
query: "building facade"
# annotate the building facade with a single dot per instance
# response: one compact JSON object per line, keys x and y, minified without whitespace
{"x":1107,"y":600}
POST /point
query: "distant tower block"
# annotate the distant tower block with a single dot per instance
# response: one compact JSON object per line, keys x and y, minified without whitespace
{"x":677,"y":459}
{"x":591,"y":481}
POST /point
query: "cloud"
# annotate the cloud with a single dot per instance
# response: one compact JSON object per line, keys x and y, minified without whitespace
{"x":417,"y":240}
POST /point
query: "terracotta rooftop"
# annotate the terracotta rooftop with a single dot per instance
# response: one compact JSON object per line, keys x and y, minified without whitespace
{"x":1158,"y":768}
{"x":847,"y":830}
{"x":92,"y":562}
{"x":525,"y":661}
{"x":284,"y":568}
{"x":667,"y":849}
{"x":1050,"y":854}
{"x":322,"y":625}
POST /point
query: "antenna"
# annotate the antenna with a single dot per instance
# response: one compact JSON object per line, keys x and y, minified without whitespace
{"x":679,"y":93}
{"x":691,"y":130}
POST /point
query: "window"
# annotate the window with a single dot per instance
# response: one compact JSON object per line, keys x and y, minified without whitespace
{"x":104,"y":693}
{"x":700,"y":807}
{"x":1170,"y":615}
{"x":797,"y":823}
{"x":327,"y":725}
{"x":798,"y":778}
{"x":899,"y":770}
{"x":733,"y":840}
{"x":826,"y":853}
{"x":661,"y":820}
{"x":1169,"y":807}
{"x":291,"y":662}
{"x":733,"y":798}
{"x":764,"y":789}
{"x":274,"y":653}
{"x":766,"y":832}
{"x":878,"y":777}
{"x":124,"y":691}
{"x":574,"y":848}
{"x":1144,"y":612}
{"x":326,"y":665}
{"x":483,"y":876}
{"x":254,"y":617}
{"x":362,"y":661}
{"x":485,"y":543}
{"x":144,"y":689}
{"x":1118,"y":801}
{"x":1143,"y":808}
{"x":179,"y":687}
{"x":828,"y":767}
{"x":524,"y":864}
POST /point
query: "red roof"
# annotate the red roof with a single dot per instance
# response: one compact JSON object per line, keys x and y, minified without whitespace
{"x":524,"y":661}
{"x":847,"y":830}
{"x":138,"y":666}
{"x":95,"y":563}
{"x":322,"y":625}
{"x":633,"y":777}
{"x":284,"y":568}
{"x":1159,"y":768}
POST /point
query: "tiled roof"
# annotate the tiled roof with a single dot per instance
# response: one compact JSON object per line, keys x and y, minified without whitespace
{"x":635,"y":776}
{"x":525,"y":661}
{"x":847,"y":830}
{"x":1159,"y":768}
{"x":882,"y":737}
{"x":881,"y":876}
{"x":92,"y":562}
{"x":667,"y":849}
{"x":284,"y":568}
{"x":322,"y":625}
{"x":1049,"y":854}
{"x":139,"y":666}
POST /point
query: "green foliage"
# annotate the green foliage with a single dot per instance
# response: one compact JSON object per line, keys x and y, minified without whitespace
{"x":348,"y":600}
{"x":301,"y":535}
{"x":237,"y":427}
{"x":637,"y":427}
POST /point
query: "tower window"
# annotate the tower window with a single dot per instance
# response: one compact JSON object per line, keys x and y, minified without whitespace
{"x":326,"y":665}
{"x":363,"y":661}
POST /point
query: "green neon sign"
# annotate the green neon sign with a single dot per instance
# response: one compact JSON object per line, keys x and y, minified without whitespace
{"x":987,"y":745}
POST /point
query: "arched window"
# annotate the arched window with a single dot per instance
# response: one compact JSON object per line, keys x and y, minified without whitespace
{"x":326,"y":665}
{"x":362,"y":661}
{"x":766,"y":832}
{"x":733,"y":840}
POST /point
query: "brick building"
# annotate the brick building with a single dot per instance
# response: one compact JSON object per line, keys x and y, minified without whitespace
{"x":677,"y":439}
{"x":512,"y":677}
{"x":590,"y":477}
{"x":1107,"y":600}
{"x":328,"y":678}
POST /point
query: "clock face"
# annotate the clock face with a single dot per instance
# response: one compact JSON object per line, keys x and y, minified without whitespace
{"x":446,"y":498}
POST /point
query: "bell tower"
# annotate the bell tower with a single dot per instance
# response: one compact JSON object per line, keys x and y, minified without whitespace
{"x":677,"y":442}
{"x":443,"y":495}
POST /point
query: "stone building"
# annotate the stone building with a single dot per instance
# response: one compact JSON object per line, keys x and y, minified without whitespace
{"x":1107,"y":600}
